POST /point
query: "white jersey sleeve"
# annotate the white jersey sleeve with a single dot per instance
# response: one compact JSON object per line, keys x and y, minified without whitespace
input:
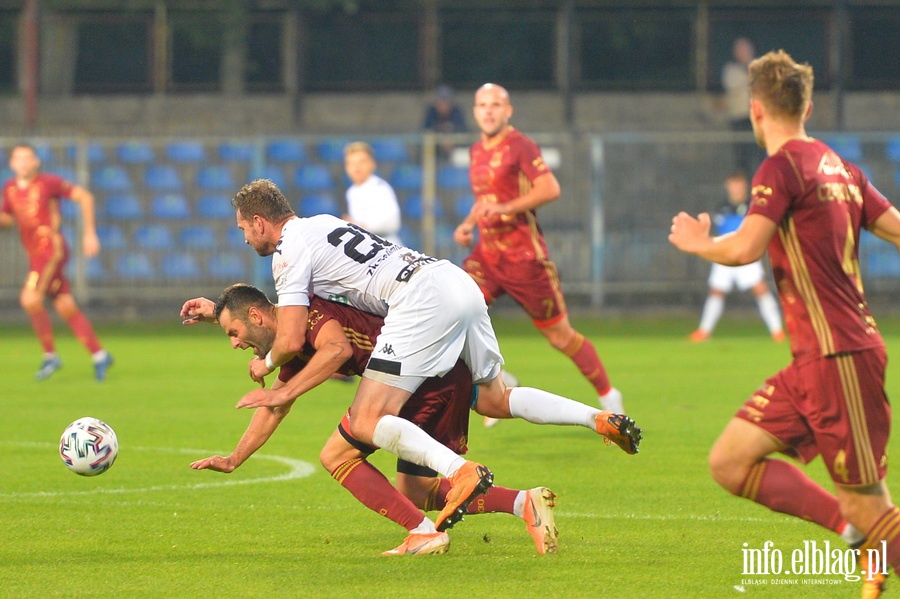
{"x":292,"y":268}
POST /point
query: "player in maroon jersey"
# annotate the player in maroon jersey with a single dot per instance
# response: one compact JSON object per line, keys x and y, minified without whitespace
{"x":510,"y":181}
{"x":339,"y":339}
{"x":808,"y":207}
{"x":31,"y":199}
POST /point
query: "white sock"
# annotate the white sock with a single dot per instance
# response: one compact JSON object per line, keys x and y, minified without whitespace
{"x":712,"y":312}
{"x":519,"y":505}
{"x":425,"y":527}
{"x":612,"y":401}
{"x":768,"y":309}
{"x":851,"y":535}
{"x":407,"y":441}
{"x":99,"y":356}
{"x":541,"y":407}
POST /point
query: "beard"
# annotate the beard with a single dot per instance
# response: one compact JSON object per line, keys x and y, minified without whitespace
{"x":261,"y":338}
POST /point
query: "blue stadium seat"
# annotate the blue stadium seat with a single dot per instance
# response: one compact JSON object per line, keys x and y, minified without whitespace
{"x":453,"y":177}
{"x":110,"y":178}
{"x":407,"y":177}
{"x":236,"y":151}
{"x":186,"y":151}
{"x":111,"y":237}
{"x":463,"y":205}
{"x":198,"y":237}
{"x":153,"y":237}
{"x":273,"y":173}
{"x":95,"y":153}
{"x":135,"y":266}
{"x":892,"y":148}
{"x":235,"y":238}
{"x":170,"y":206}
{"x":162,"y":177}
{"x":213,"y":206}
{"x":69,"y":210}
{"x":286,"y":150}
{"x":313,"y":177}
{"x":411,"y":238}
{"x":215,"y":177}
{"x":229,"y":265}
{"x":180,"y":265}
{"x":414,"y":209}
{"x":5,"y":173}
{"x":63,"y":171}
{"x":123,"y":207}
{"x":320,"y":203}
{"x":135,"y":152}
{"x":848,"y":147}
{"x":68,"y":233}
{"x":332,"y":150}
{"x":95,"y":270}
{"x":44,"y":152}
{"x":390,"y":150}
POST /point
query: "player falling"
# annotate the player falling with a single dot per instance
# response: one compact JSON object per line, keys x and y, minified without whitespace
{"x":31,"y":199}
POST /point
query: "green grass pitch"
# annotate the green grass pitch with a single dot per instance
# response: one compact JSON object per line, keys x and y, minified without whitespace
{"x":651,"y":525}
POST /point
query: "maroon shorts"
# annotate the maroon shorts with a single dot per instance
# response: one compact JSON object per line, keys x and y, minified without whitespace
{"x":440,"y":407}
{"x":534,"y":284}
{"x":835,"y":407}
{"x":46,"y":270}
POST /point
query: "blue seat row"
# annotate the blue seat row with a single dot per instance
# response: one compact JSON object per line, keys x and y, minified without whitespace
{"x":173,"y":206}
{"x":138,"y":266}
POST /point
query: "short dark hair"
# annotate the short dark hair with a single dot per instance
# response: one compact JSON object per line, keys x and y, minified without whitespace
{"x":239,"y":298}
{"x":262,"y":198}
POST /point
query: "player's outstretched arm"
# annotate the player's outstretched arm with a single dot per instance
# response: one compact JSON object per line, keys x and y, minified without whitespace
{"x":262,"y":425}
{"x":332,"y":350}
{"x":85,"y":199}
{"x":197,"y":310}
{"x":746,"y":245}
{"x":887,"y":227}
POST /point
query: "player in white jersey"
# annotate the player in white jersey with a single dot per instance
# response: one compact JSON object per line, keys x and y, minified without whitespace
{"x":433,"y":314}
{"x":371,"y":201}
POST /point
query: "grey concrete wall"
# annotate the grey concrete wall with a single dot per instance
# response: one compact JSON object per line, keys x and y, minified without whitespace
{"x":350,"y":113}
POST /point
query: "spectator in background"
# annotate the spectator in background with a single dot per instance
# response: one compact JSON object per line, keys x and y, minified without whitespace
{"x":31,"y":200}
{"x":444,"y":116}
{"x":722,"y":279}
{"x":371,"y":201}
{"x":735,"y":81}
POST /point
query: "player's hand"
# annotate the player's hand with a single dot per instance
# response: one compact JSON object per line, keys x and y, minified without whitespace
{"x":491,"y":210}
{"x":690,"y":234}
{"x":263,"y":398}
{"x":217,"y":463}
{"x":90,"y":244}
{"x":463,"y":235}
{"x":197,"y":310}
{"x":259,"y":371}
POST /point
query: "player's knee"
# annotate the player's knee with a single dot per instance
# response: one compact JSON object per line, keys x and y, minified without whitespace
{"x":65,"y":306}
{"x":863,"y":507}
{"x":333,"y":456}
{"x":31,"y":301}
{"x":559,"y":337}
{"x":726,"y":470}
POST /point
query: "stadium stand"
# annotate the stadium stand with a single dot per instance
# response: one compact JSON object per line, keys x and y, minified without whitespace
{"x":286,"y":150}
{"x":162,"y":177}
{"x":170,"y":206}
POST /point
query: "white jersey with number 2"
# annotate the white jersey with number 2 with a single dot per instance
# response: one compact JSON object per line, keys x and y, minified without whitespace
{"x":340,"y":261}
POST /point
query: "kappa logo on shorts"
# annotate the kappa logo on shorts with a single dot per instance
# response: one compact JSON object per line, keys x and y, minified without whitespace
{"x":387,"y":350}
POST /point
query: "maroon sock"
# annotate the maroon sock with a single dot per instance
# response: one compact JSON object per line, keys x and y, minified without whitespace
{"x":782,"y":487}
{"x":40,"y":322}
{"x":886,"y":529}
{"x":83,"y":330}
{"x":374,"y":491}
{"x":583,"y":353}
{"x":497,"y":499}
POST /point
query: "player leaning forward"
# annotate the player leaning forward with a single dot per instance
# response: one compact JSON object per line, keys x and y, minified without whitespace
{"x":808,"y":206}
{"x":433,"y":315}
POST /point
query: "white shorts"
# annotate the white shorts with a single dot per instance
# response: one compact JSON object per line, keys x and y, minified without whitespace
{"x":725,"y":278}
{"x":438,"y":318}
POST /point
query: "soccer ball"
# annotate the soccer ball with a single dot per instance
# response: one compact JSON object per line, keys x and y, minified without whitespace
{"x":88,"y":446}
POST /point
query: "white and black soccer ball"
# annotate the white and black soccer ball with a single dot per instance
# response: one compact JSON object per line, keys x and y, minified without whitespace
{"x":88,"y":446}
